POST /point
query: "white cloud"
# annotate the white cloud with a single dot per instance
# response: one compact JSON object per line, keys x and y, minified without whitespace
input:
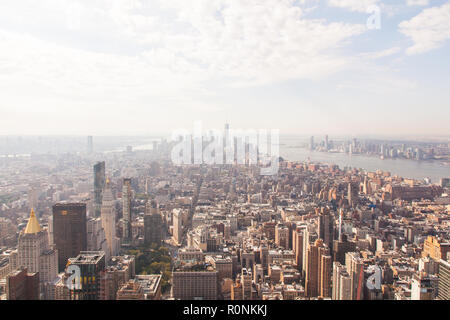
{"x":353,"y":5}
{"x":428,"y":30}
{"x":417,"y":2}
{"x":382,"y":54}
{"x":112,"y":58}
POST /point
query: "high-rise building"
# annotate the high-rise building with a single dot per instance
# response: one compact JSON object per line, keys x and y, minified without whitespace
{"x":424,"y":287}
{"x":69,"y":231}
{"x":297,"y":245}
{"x":152,"y":224}
{"x":90,"y":264}
{"x":341,"y":247}
{"x":177,"y":226}
{"x":35,"y":253}
{"x":325,"y":225}
{"x":342,"y":283}
{"x":195,"y":282}
{"x":282,"y":236}
{"x":90,"y":145}
{"x":327,"y":147}
{"x":99,"y":184}
{"x":318,"y":270}
{"x":108,"y":216}
{"x":96,"y":238}
{"x":119,"y":270}
{"x":22,"y":285}
{"x":355,"y":268}
{"x":435,"y":248}
{"x":444,"y":280}
{"x":126,"y":205}
{"x":311,"y":143}
{"x":246,"y":280}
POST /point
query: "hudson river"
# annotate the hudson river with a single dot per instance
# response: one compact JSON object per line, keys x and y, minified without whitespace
{"x":402,"y":167}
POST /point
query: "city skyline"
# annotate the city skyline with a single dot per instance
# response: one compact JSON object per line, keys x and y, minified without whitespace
{"x":305,"y":67}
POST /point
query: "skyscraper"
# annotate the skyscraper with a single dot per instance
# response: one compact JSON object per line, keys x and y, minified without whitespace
{"x":444,"y":280}
{"x":126,"y":209}
{"x":311,"y":143}
{"x":355,"y":268}
{"x":325,"y":225}
{"x":326,"y":143}
{"x":152,"y":224}
{"x":69,"y":231}
{"x":318,"y":270}
{"x":342,"y":283}
{"x":108,"y":216}
{"x":99,"y":184}
{"x":90,"y":145}
{"x":91,"y":264}
{"x":177,"y":226}
{"x":34,"y":251}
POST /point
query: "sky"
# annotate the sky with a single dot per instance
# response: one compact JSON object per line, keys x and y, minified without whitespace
{"x":137,"y":67}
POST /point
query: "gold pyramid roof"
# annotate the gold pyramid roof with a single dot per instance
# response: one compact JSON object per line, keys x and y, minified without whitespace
{"x":33,"y":224}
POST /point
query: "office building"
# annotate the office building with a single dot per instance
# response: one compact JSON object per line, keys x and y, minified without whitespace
{"x":195,"y":282}
{"x":126,"y":209}
{"x":34,"y":252}
{"x":69,"y":231}
{"x":22,"y":285}
{"x":318,"y":270}
{"x":90,"y":264}
{"x":108,"y":217}
{"x":153,"y":225}
{"x":177,"y":226}
{"x":444,"y":280}
{"x":99,"y":185}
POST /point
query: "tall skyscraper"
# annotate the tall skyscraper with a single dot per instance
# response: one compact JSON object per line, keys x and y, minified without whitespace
{"x":99,"y":185}
{"x":327,"y":147}
{"x":91,"y":264}
{"x":152,"y":224}
{"x":297,"y":245}
{"x":126,"y":209}
{"x":342,"y":283}
{"x":282,"y":236}
{"x":108,"y":216}
{"x":34,"y":251}
{"x":90,"y":145}
{"x":355,"y":268}
{"x":311,"y":143}
{"x":444,"y":280}
{"x":318,"y":270}
{"x":325,"y":225}
{"x":246,"y":280}
{"x":177,"y":226}
{"x":69,"y":231}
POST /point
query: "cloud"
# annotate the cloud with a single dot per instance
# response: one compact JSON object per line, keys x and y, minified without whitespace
{"x":353,"y":5}
{"x":417,"y":2}
{"x":428,"y":30}
{"x":382,"y":54}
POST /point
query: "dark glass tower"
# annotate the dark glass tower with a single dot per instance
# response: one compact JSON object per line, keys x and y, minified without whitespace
{"x":69,"y":231}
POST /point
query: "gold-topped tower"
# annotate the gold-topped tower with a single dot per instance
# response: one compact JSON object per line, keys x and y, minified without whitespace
{"x":33,"y":224}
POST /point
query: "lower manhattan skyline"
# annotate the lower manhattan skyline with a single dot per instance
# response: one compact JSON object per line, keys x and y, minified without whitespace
{"x":224,"y":158}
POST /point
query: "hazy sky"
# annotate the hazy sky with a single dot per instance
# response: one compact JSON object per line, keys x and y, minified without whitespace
{"x":103,"y":67}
